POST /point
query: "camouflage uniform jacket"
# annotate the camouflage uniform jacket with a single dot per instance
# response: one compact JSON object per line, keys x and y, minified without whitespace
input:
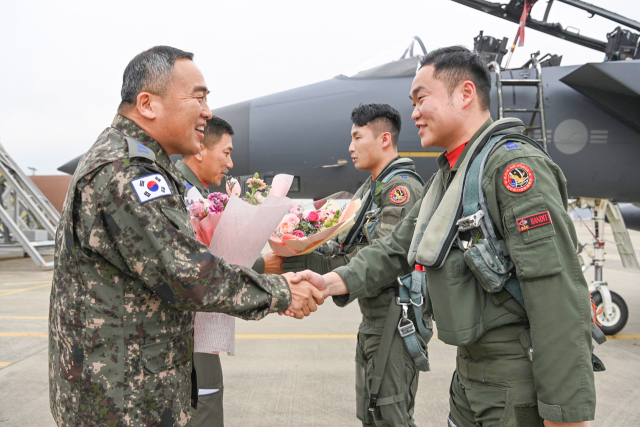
{"x":128,"y":276}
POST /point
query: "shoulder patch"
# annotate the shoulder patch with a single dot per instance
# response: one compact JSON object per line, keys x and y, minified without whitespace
{"x":533,"y":221}
{"x":399,"y":195}
{"x":518,"y":178}
{"x":512,"y":146}
{"x":151,"y":187}
{"x":137,"y":149}
{"x":404,"y":176}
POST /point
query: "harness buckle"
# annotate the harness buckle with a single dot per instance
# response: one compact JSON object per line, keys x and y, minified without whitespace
{"x":407,"y":329}
{"x":372,"y":214}
{"x":421,"y":302}
{"x":373,"y":400}
{"x":470,"y":222}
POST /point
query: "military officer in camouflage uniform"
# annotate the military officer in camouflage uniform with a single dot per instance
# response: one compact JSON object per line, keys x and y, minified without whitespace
{"x":387,"y":196}
{"x":128,"y":270}
{"x":524,"y":353}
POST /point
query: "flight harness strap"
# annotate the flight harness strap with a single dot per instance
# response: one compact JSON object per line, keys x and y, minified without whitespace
{"x":374,"y":210}
{"x":411,"y":292}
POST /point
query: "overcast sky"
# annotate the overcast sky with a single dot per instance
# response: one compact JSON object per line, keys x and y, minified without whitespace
{"x":62,"y":61}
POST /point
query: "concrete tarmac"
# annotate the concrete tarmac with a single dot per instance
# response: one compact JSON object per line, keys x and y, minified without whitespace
{"x":296,"y":373}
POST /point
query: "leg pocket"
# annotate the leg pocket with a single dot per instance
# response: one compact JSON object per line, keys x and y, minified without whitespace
{"x":362,"y":388}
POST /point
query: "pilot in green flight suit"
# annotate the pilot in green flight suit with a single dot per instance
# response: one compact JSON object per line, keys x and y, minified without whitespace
{"x":524,"y":354}
{"x":387,"y":196}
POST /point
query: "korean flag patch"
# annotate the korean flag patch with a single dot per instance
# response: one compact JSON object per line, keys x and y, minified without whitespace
{"x":151,"y":187}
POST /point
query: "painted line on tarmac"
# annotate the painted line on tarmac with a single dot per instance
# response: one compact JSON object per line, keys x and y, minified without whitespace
{"x":4,"y":364}
{"x":26,"y":334}
{"x":623,"y":337}
{"x":40,"y":282}
{"x":23,"y":317}
{"x":294,"y":336}
{"x":17,"y":291}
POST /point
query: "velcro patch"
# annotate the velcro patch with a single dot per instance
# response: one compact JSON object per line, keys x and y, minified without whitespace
{"x":533,"y":221}
{"x":518,"y":178}
{"x":151,"y":187}
{"x":511,"y":146}
{"x":399,"y":195}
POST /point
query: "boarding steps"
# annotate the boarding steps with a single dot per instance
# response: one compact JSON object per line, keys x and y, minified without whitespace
{"x":27,"y":219}
{"x":537,"y":111}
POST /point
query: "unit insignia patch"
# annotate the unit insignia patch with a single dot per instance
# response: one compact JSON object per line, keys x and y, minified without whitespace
{"x":151,"y":187}
{"x":518,"y":178}
{"x":533,"y":221}
{"x":399,"y":195}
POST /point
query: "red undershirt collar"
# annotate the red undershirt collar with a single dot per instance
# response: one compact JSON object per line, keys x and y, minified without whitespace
{"x":453,"y":156}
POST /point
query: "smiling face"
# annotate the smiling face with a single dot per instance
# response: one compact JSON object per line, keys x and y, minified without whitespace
{"x":438,"y":116}
{"x":216,"y":160}
{"x":182,"y":113}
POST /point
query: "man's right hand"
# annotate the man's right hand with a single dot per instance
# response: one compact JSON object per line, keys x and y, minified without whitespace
{"x":305,"y":298}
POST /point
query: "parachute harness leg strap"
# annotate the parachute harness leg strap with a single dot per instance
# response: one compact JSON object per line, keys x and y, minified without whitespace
{"x":411,"y":294}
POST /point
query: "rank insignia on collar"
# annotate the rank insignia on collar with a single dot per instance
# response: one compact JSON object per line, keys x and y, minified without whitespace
{"x":399,"y":195}
{"x":151,"y":187}
{"x":533,"y":221}
{"x":518,"y":178}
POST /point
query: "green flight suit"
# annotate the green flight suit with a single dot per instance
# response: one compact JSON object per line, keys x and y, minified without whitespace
{"x":208,"y":367}
{"x":400,"y":382}
{"x":191,"y":178}
{"x":495,"y":383}
{"x":128,"y":276}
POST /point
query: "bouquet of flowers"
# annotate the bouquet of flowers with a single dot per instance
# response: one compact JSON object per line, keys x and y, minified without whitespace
{"x":206,"y":213}
{"x":302,"y":231}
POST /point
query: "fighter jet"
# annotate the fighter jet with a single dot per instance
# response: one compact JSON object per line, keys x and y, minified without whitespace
{"x":586,"y":116}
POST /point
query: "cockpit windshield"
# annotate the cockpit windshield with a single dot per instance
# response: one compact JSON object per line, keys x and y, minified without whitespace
{"x":400,"y":60}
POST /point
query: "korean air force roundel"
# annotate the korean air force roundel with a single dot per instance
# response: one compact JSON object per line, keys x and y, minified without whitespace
{"x":151,"y":187}
{"x":399,"y":195}
{"x":518,"y":178}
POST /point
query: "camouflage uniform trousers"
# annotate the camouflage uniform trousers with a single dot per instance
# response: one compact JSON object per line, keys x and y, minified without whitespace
{"x":399,"y":384}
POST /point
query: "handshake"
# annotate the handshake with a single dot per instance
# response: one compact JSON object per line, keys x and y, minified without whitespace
{"x":309,"y":289}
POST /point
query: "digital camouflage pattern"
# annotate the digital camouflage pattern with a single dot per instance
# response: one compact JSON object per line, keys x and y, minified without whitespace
{"x":128,"y":277}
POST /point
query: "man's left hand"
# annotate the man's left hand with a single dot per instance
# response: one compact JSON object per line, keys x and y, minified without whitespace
{"x":272,"y":263}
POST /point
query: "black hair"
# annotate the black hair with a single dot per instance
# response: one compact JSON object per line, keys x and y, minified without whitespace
{"x":150,"y":71}
{"x":383,"y":115}
{"x":213,"y":131}
{"x":456,"y":64}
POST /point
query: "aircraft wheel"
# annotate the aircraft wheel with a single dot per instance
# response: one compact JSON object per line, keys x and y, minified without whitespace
{"x":619,"y":317}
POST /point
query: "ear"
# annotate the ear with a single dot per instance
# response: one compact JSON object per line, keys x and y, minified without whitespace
{"x":386,"y":140}
{"x":467,"y":93}
{"x":203,"y":149}
{"x":145,"y":106}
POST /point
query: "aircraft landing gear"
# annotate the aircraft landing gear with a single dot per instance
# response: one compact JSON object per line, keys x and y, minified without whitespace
{"x":615,"y":318}
{"x":615,"y":312}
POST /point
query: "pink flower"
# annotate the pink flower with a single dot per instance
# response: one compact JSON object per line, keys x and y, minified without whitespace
{"x":313,"y":216}
{"x":296,"y":210}
{"x":289,"y":223}
{"x":256,"y":183}
{"x":233,"y":187}
{"x":196,"y":209}
{"x":322,"y":214}
{"x":298,"y":233}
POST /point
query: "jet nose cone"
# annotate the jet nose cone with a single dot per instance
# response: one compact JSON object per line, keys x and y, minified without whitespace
{"x":238,"y":116}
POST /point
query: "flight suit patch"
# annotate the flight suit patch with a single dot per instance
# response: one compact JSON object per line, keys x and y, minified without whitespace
{"x":518,"y":178}
{"x":151,"y":187}
{"x":399,"y":195}
{"x":533,"y":221}
{"x":512,"y":146}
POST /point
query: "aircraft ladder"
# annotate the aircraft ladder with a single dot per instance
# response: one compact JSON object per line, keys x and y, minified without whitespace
{"x":24,"y":211}
{"x":539,"y":107}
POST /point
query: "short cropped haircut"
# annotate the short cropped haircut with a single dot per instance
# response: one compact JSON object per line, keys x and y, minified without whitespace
{"x":213,"y":131}
{"x":383,"y":117}
{"x":456,"y":64}
{"x":150,"y":71}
